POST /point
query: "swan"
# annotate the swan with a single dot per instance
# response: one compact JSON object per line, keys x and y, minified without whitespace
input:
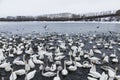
{"x":94,"y":74}
{"x":58,"y":53}
{"x":59,"y":57}
{"x":104,"y":76}
{"x":58,"y":62}
{"x":57,"y":77}
{"x":53,"y":67}
{"x":114,"y":54}
{"x":78,"y":64}
{"x":115,"y":60}
{"x":20,"y":72}
{"x":10,"y":55}
{"x":36,"y":61}
{"x":59,"y":68}
{"x":91,"y":53}
{"x":106,"y":59}
{"x":91,"y":78}
{"x":64,"y":71}
{"x":95,"y":60}
{"x":74,"y":48}
{"x":13,"y":76}
{"x":97,"y":51}
{"x":17,"y":61}
{"x":48,"y":74}
{"x":19,"y":51}
{"x":72,"y":67}
{"x":30,"y":75}
{"x":30,"y":51}
{"x":82,"y":44}
{"x":77,"y":58}
{"x":93,"y":67}
{"x":110,"y":47}
{"x":6,"y":66}
{"x":69,"y":62}
{"x":31,"y":64}
{"x":62,"y":45}
{"x":57,"y":50}
{"x":1,"y":55}
{"x":111,"y":73}
{"x":86,"y":64}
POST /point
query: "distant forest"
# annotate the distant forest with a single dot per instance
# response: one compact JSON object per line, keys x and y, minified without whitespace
{"x":101,"y":16}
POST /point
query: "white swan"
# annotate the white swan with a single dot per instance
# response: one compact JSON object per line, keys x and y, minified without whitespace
{"x":30,"y":75}
{"x":106,"y":59}
{"x":57,"y":77}
{"x":86,"y":64}
{"x":37,"y":61}
{"x":94,"y":74}
{"x":53,"y":67}
{"x":91,"y":78}
{"x":6,"y":66}
{"x":95,"y":60}
{"x":64,"y":71}
{"x":114,"y":54}
{"x":78,"y":64}
{"x":31,"y":64}
{"x":13,"y":76}
{"x":17,"y":61}
{"x":30,"y":51}
{"x":48,"y":74}
{"x":115,"y":60}
{"x":20,"y":72}
{"x":104,"y":76}
{"x":91,"y":53}
{"x":97,"y":51}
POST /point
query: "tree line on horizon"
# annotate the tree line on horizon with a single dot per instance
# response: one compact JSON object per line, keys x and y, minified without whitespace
{"x":102,"y":16}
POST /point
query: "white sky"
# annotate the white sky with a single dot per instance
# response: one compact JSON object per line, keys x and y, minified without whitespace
{"x":38,"y":7}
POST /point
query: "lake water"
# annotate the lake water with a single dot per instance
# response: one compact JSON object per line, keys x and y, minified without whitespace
{"x":60,"y":27}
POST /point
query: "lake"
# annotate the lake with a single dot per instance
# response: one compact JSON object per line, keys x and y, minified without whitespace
{"x":59,"y":27}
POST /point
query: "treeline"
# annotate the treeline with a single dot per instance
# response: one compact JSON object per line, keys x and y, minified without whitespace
{"x":102,"y":16}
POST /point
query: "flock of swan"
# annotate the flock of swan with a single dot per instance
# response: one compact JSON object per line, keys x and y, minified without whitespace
{"x":56,"y":56}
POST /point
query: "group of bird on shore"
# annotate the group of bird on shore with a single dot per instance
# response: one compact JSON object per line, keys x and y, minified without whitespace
{"x":55,"y":56}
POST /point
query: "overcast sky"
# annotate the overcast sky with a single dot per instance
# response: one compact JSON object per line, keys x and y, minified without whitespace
{"x":38,"y":7}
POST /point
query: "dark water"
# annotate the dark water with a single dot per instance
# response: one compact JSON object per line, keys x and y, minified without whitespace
{"x":60,"y":27}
